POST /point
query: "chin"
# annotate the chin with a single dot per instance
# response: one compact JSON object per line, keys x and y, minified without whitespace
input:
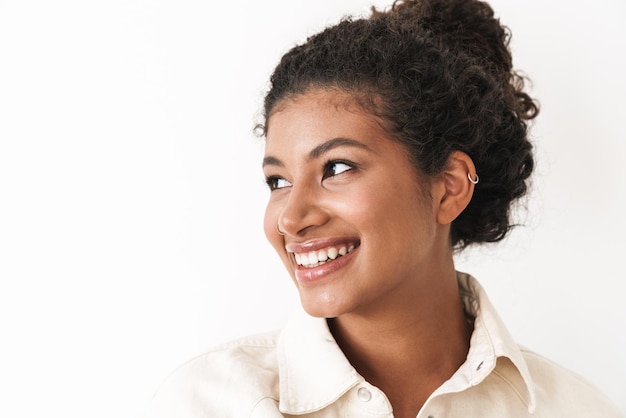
{"x":322,"y":306}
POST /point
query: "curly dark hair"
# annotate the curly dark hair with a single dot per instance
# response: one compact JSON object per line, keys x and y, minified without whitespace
{"x":439,"y":74}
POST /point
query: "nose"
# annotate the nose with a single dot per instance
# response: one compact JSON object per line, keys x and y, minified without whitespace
{"x":302,"y":211}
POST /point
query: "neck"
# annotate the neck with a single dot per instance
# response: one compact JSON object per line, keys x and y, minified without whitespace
{"x":411,"y":347}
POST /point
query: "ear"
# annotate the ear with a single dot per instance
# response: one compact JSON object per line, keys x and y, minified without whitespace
{"x":456,"y":188}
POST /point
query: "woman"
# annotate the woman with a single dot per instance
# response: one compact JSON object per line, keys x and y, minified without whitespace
{"x":391,"y":142}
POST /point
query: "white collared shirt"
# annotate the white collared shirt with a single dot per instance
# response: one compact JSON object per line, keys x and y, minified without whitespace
{"x":301,"y":371}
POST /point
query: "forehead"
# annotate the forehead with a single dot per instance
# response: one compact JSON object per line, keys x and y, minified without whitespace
{"x":321,"y":114}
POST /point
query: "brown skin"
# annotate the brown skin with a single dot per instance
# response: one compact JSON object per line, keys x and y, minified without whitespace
{"x":395,"y":305}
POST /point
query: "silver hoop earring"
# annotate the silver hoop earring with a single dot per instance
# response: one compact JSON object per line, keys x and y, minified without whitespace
{"x":279,"y":231}
{"x":469,"y":176}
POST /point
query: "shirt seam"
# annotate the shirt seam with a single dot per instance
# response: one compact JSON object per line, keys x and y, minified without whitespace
{"x":255,"y":406}
{"x":514,"y":389}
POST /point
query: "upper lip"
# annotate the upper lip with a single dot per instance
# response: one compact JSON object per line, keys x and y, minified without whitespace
{"x":318,"y":244}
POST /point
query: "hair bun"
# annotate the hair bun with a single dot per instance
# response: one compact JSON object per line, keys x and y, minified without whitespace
{"x":470,"y":27}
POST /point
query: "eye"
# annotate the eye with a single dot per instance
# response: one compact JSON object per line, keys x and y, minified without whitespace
{"x":275,"y":182}
{"x":333,"y":168}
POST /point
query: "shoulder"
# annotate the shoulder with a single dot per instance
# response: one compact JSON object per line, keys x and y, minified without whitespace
{"x":562,"y":392}
{"x":230,"y":380}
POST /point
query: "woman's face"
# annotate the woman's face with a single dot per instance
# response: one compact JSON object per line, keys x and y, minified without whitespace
{"x":359,"y":230}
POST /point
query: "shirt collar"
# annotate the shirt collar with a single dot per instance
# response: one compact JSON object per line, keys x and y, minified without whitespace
{"x":490,"y":341}
{"x":314,"y":372}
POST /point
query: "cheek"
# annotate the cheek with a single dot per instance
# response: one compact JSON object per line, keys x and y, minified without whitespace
{"x":389,"y":213}
{"x":366,"y":206}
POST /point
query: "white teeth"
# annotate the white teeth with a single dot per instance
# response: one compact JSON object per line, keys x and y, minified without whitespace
{"x":316,"y":258}
{"x":322,"y":255}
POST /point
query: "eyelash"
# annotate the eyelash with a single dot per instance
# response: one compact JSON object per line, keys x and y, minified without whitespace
{"x":327,"y":172}
{"x":272,"y":181}
{"x":328,"y":166}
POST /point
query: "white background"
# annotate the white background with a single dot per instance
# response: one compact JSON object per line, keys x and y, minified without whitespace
{"x":131,"y":195}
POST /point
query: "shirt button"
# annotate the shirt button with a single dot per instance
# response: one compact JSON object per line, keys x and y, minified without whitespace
{"x":364,"y":394}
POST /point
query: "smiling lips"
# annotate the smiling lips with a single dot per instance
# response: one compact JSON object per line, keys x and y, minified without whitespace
{"x":323,"y":256}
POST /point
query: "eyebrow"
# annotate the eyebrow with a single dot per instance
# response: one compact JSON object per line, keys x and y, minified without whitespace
{"x":320,"y":150}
